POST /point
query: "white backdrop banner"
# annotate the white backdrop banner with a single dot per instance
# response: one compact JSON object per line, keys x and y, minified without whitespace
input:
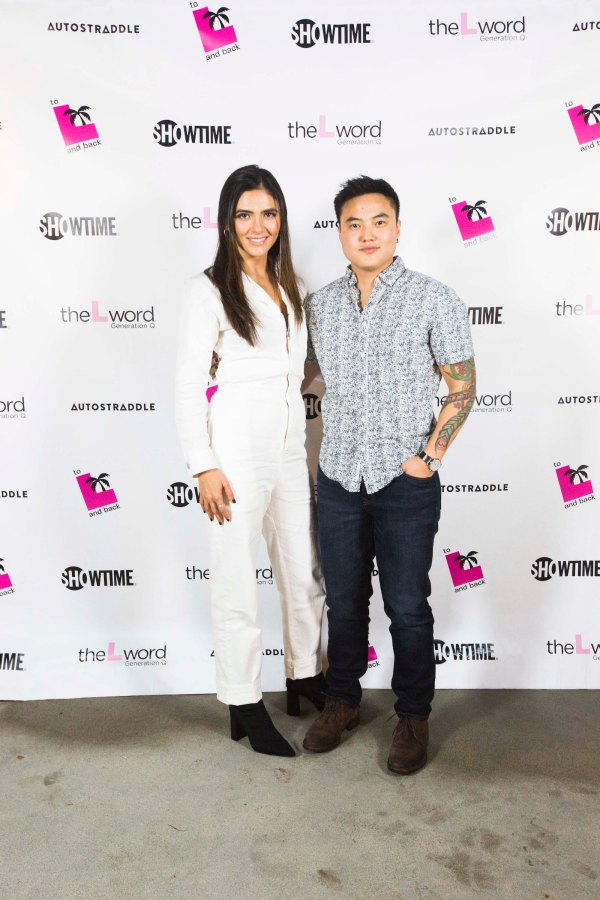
{"x":119,"y":123}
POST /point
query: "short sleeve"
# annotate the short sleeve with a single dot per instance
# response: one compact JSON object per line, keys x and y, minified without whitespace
{"x":450,"y":335}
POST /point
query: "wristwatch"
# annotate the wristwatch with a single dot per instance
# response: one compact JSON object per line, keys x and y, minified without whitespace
{"x":432,"y":461}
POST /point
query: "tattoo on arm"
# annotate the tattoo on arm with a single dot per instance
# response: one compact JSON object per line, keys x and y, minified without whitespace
{"x":462,"y":401}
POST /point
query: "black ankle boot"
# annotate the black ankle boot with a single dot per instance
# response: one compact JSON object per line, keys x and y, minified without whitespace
{"x":253,"y":720}
{"x":312,"y":688}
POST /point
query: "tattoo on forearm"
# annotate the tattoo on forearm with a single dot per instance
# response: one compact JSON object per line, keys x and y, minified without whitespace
{"x":462,"y":401}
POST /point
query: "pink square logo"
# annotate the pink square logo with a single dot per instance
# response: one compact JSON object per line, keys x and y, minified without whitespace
{"x":372,"y":654}
{"x":472,"y":221}
{"x":96,"y":492}
{"x":464,"y":569}
{"x":585,"y":122}
{"x":214,"y":28}
{"x":5,"y":581}
{"x":75,"y":124}
{"x":574,"y":483}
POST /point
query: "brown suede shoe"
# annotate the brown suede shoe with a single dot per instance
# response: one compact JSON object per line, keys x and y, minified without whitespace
{"x":408,"y":752}
{"x":326,"y":731}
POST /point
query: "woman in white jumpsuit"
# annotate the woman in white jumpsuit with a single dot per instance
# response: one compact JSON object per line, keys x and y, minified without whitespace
{"x":247,"y":448}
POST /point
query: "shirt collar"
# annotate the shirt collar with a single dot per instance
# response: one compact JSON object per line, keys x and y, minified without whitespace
{"x":389,"y":276}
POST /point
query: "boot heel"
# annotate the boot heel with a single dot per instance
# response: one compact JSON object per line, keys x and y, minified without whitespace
{"x":293,"y":703}
{"x":237,"y":729}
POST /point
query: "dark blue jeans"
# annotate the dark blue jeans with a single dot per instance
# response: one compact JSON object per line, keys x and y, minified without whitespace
{"x":397,"y":525}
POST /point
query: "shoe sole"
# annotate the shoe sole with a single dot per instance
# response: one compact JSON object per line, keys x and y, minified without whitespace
{"x":331,"y":746}
{"x":407,"y":771}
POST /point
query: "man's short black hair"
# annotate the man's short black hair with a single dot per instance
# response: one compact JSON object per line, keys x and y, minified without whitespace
{"x":356,"y":187}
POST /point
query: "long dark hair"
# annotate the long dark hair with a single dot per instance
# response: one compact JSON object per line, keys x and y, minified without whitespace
{"x":226,"y":271}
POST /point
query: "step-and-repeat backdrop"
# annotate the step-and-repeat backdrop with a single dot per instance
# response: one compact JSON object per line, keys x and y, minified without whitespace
{"x":118,"y":124}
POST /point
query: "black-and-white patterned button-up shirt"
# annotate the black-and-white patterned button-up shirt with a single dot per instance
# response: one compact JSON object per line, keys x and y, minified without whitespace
{"x":380,"y":366}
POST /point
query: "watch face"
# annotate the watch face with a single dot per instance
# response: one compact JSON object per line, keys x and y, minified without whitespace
{"x":435,"y":464}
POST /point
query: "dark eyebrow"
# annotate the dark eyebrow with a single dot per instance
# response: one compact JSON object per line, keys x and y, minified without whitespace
{"x":249,"y":211}
{"x":382,"y":215}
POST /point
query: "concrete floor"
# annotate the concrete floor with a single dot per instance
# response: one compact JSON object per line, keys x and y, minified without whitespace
{"x":146,"y":797}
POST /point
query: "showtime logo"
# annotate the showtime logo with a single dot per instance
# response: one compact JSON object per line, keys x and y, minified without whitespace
{"x":54,"y":226}
{"x":470,"y":652}
{"x":487,"y":30}
{"x":306,"y":33}
{"x":575,"y":485}
{"x":143,"y":656}
{"x":97,"y":494}
{"x":312,"y":405}
{"x":180,"y":494}
{"x":473,"y":221}
{"x":6,"y":585}
{"x":544,"y":568}
{"x":586,"y":124}
{"x":75,"y":579}
{"x":217,"y":35}
{"x":11,"y":661}
{"x":372,"y":658}
{"x":118,"y":318}
{"x":344,"y":134}
{"x":554,"y":648}
{"x":464,"y":570}
{"x":560,"y":220}
{"x":167,"y":133}
{"x":76,"y":126}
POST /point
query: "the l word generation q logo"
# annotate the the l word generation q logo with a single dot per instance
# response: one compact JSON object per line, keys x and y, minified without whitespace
{"x":347,"y":133}
{"x":575,"y":485}
{"x":118,"y":318}
{"x":473,"y":222}
{"x":560,"y":220}
{"x":544,"y":568}
{"x":97,"y":493}
{"x":13,"y":409}
{"x":75,"y":579}
{"x":463,"y":652}
{"x":206,"y":221}
{"x":167,"y":133}
{"x":217,"y":35}
{"x":464,"y":570}
{"x":55,"y":226}
{"x":564,"y":309}
{"x":556,"y":648}
{"x":487,"y":403}
{"x":141,"y":656}
{"x":486,"y":30}
{"x":6,"y":585}
{"x":76,"y":126}
{"x":306,"y":33}
{"x":586,"y":124}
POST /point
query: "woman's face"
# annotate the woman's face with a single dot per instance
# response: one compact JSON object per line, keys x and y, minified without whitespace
{"x":257,"y":223}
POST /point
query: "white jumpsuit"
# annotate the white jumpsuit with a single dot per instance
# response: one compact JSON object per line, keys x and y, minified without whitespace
{"x":254,"y":431}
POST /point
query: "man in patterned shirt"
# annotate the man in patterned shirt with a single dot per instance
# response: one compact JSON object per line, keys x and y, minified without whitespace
{"x":383,"y":336}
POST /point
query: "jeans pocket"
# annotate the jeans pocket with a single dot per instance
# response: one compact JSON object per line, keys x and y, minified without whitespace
{"x":417,"y":480}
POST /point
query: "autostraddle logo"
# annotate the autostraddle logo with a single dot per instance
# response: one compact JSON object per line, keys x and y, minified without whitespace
{"x":560,"y":220}
{"x":586,"y":124}
{"x":180,"y":221}
{"x":216,"y":33}
{"x":472,"y":488}
{"x":326,"y":223}
{"x":12,"y":662}
{"x":578,"y":647}
{"x":97,"y":493}
{"x":180,"y":494}
{"x":306,"y":33}
{"x":471,"y":130}
{"x":575,"y":484}
{"x":85,"y":28}
{"x":76,"y":126}
{"x":117,"y":318}
{"x":54,"y":226}
{"x":372,"y":658}
{"x":142,"y":656}
{"x":6,"y":585}
{"x":312,"y":405}
{"x":13,"y":409}
{"x":463,"y":652}
{"x":357,"y":133}
{"x":113,"y":407}
{"x":167,"y":133}
{"x":587,"y":26}
{"x":581,"y":399}
{"x":14,"y":495}
{"x":473,"y":221}
{"x":464,"y":569}
{"x":75,"y":579}
{"x":486,"y":30}
{"x":545,"y":568}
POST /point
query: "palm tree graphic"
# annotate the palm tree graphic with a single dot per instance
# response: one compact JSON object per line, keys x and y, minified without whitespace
{"x":469,"y":557}
{"x":478,"y":208}
{"x":81,"y":113}
{"x":580,"y":473}
{"x":101,"y":480}
{"x":593,"y":114}
{"x":1,"y":566}
{"x":218,"y":16}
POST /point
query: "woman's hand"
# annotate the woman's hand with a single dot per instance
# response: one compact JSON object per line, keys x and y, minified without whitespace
{"x":215,"y":495}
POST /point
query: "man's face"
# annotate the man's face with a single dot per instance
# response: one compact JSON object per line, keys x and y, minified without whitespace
{"x":368,"y":232}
